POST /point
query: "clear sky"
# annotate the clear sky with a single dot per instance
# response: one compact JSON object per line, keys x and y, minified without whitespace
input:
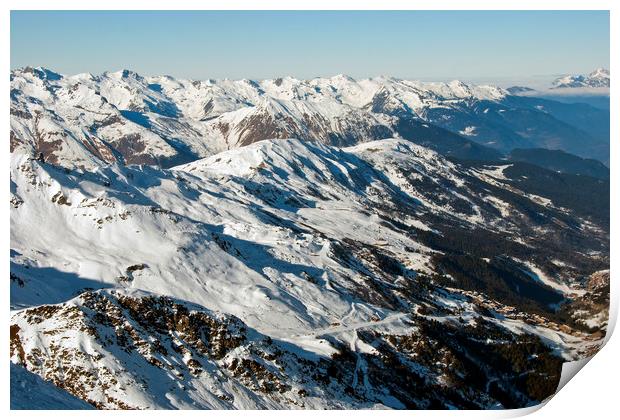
{"x":469,"y":45}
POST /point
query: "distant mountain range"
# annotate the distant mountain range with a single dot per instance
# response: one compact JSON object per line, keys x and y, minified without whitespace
{"x":599,"y":78}
{"x":592,"y":89}
{"x":124,"y":117}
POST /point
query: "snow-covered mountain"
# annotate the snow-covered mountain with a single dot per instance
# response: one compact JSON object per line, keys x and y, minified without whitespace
{"x":86,"y":120}
{"x":286,"y":273}
{"x":599,"y":78}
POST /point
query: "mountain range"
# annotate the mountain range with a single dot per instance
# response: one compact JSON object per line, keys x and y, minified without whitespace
{"x":599,"y":78}
{"x":327,"y":243}
{"x":85,"y":120}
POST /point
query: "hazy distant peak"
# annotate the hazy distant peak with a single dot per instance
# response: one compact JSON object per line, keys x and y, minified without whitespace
{"x":596,"y":79}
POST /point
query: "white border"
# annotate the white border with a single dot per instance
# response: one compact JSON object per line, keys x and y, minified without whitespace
{"x":577,"y":400}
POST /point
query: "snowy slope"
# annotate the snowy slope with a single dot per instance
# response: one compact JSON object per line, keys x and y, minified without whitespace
{"x":30,"y":392}
{"x":289,"y":273}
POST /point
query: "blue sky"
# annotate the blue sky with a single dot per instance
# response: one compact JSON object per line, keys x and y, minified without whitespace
{"x":469,"y":45}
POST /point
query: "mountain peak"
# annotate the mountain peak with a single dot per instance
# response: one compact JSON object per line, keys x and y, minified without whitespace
{"x":124,"y":74}
{"x":41,"y":73}
{"x":600,"y":72}
{"x":344,"y":77}
{"x":599,"y":78}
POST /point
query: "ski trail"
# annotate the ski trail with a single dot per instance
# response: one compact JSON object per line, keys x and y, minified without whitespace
{"x":351,"y":327}
{"x":360,"y":365}
{"x":358,"y":362}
